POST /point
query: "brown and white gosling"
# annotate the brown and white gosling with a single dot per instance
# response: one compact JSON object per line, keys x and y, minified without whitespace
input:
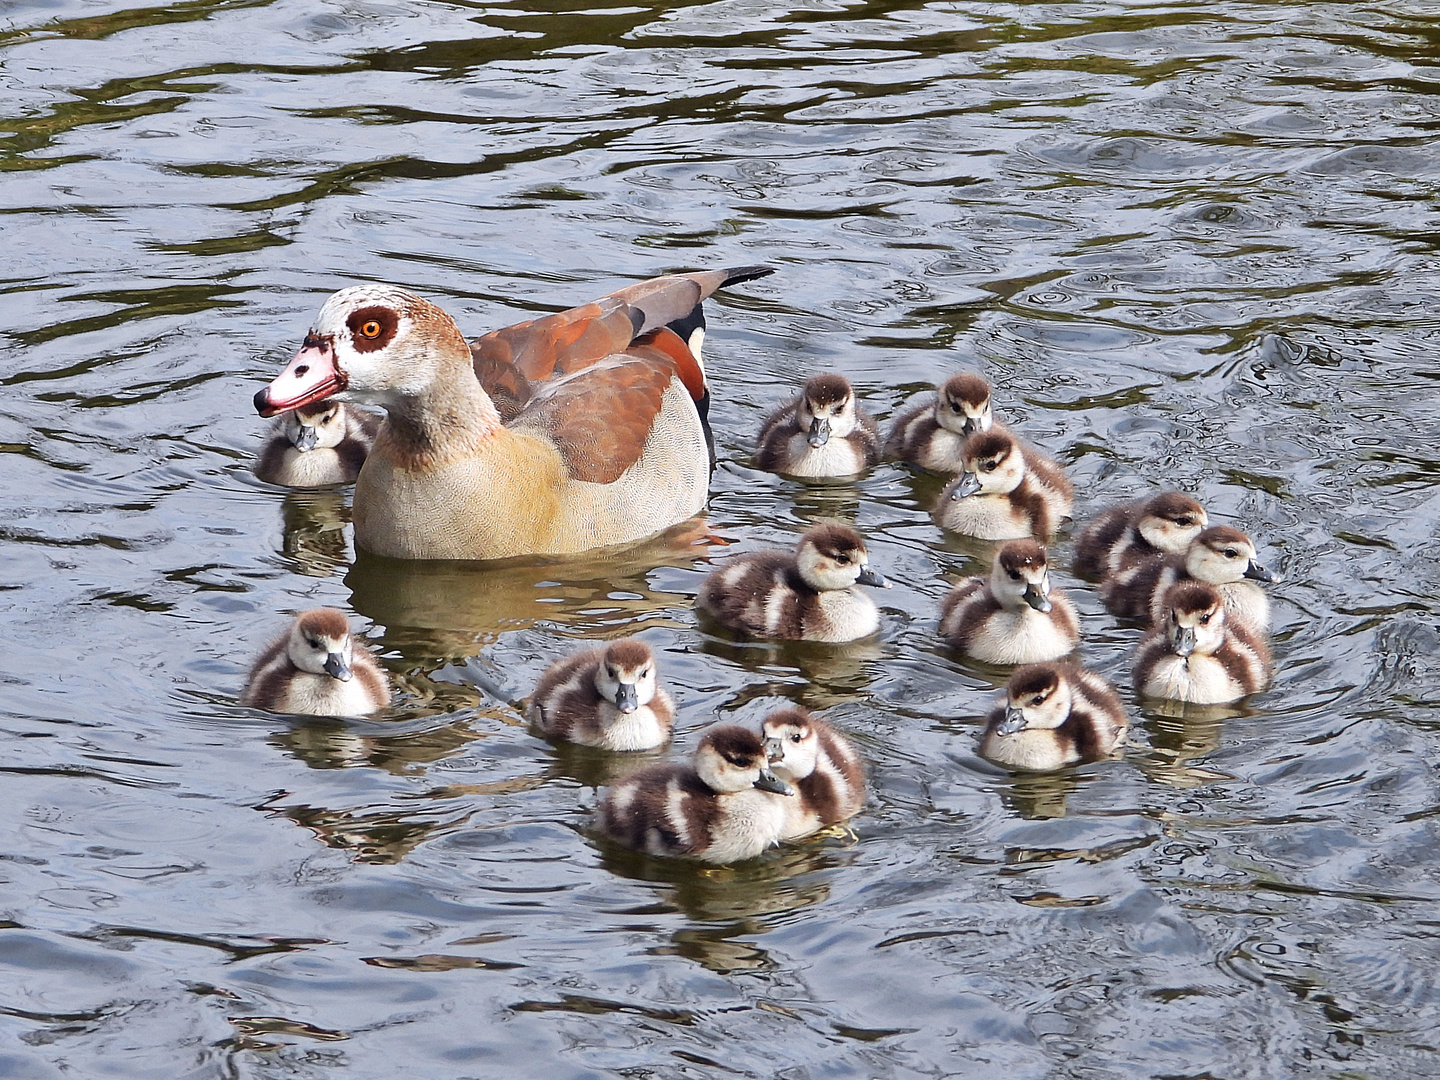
{"x":608,"y":697}
{"x":1219,"y":556}
{"x":720,"y":809}
{"x":822,"y":766}
{"x":1121,"y":536}
{"x":808,"y":595}
{"x":318,"y":668}
{"x":930,"y":434}
{"x":823,"y":432}
{"x":1054,"y":715}
{"x":1195,"y":654}
{"x":1014,"y":617}
{"x":317,"y":445}
{"x":1003,"y":493}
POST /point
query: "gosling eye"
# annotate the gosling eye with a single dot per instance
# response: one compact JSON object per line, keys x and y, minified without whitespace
{"x":843,"y":560}
{"x":610,"y":671}
{"x":1183,"y":522}
{"x":314,"y":643}
{"x":795,"y":737}
{"x":1230,"y":553}
{"x":1014,"y":575}
{"x":987,"y":466}
{"x":1204,"y":620}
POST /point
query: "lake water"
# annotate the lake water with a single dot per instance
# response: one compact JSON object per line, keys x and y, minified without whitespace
{"x":1190,"y":244}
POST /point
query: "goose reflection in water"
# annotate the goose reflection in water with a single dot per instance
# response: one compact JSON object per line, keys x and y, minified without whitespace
{"x":313,"y":529}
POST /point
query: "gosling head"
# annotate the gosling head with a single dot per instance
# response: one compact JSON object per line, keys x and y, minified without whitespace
{"x":1022,"y":576}
{"x":625,"y":676}
{"x":1223,"y":555}
{"x":835,"y":557}
{"x":1194,"y":619}
{"x":963,"y":405}
{"x":732,"y":758}
{"x":1037,"y":696}
{"x":827,"y":408}
{"x":792,"y":743}
{"x":320,"y":424}
{"x":320,"y":643}
{"x":993,"y":464}
{"x":1171,"y":520}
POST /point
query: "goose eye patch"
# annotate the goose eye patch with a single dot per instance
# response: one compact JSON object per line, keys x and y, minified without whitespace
{"x":372,"y":328}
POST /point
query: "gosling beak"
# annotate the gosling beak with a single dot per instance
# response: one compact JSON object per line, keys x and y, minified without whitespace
{"x":337,"y":668}
{"x":1014,"y":721}
{"x":819,"y":432}
{"x":971,"y":426}
{"x":1257,"y":572}
{"x":969,"y":485}
{"x":312,"y":376}
{"x":307,"y":439}
{"x":1037,"y":599}
{"x":770,"y":782}
{"x":774,"y":750}
{"x":1184,"y":641}
{"x":627,"y":698}
{"x":870,"y":577}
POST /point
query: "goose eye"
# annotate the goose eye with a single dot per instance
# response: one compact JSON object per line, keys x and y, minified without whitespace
{"x":1183,"y":522}
{"x":642,"y":673}
{"x":1204,"y":620}
{"x":1230,"y":553}
{"x":313,"y":642}
{"x":610,"y":671}
{"x":987,"y":466}
{"x":1014,"y":575}
{"x":795,"y":737}
{"x":843,"y":560}
{"x":370,"y":328}
{"x":954,"y":406}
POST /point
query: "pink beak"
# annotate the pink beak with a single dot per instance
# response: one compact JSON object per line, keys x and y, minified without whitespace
{"x":312,"y":376}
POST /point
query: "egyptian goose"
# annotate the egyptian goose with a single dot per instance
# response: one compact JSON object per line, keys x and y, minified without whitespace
{"x":1118,"y":538}
{"x":1219,"y":556}
{"x":317,"y":445}
{"x":1004,"y":492}
{"x":318,"y":668}
{"x":1196,"y":654}
{"x":930,"y":434}
{"x":823,"y":432}
{"x":573,"y":431}
{"x":822,"y":766}
{"x":807,"y":595}
{"x":720,"y":809}
{"x":1054,"y":715}
{"x":608,"y":697}
{"x":1015,"y":617}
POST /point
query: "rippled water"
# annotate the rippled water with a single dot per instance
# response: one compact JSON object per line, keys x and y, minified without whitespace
{"x":1190,"y":243}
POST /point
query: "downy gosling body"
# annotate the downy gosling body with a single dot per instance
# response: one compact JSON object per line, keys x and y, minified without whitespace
{"x":317,"y":445}
{"x":721,"y":809}
{"x":808,"y":595}
{"x":1054,"y":715}
{"x":823,"y":432}
{"x":822,"y":766}
{"x":1121,"y":536}
{"x":608,"y":698}
{"x":317,"y":668}
{"x":931,"y":434}
{"x":1014,"y":617}
{"x":1195,"y":654}
{"x":1219,"y":556}
{"x":1004,"y":493}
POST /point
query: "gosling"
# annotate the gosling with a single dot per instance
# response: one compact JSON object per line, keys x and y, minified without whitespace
{"x":609,"y":698}
{"x":1003,"y":493}
{"x":930,"y":435}
{"x":809,"y":595}
{"x":1195,"y":654}
{"x":317,"y":668}
{"x":821,"y":433}
{"x":1015,"y":617}
{"x":822,"y":766}
{"x":1054,"y":715}
{"x":1219,"y":556}
{"x":721,"y":809}
{"x":1118,"y":538}
{"x":317,"y":445}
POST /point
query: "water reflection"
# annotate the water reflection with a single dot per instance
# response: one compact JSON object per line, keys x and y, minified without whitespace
{"x":1180,"y":733}
{"x":313,"y":526}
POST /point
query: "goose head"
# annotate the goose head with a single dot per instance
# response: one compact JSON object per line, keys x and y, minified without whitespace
{"x":963,"y":405}
{"x":1171,"y":520}
{"x":835,"y":557}
{"x":319,"y":643}
{"x":1021,"y":576}
{"x":826,"y":409}
{"x":1194,"y":619}
{"x":792,"y":743}
{"x":1223,"y":555}
{"x":625,"y":676}
{"x":732,"y":758}
{"x":370,"y":343}
{"x":1037,"y":696}
{"x":993,"y":464}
